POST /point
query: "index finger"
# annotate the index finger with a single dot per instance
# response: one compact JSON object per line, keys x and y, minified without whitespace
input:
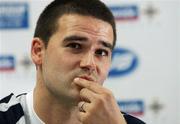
{"x":93,"y":86}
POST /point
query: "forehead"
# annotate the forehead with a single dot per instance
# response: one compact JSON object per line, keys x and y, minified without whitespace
{"x":85,"y":25}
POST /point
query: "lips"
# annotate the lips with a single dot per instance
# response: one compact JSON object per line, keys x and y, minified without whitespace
{"x":87,"y":78}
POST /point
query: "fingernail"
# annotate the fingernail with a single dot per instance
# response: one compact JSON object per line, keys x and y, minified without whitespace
{"x":76,"y":79}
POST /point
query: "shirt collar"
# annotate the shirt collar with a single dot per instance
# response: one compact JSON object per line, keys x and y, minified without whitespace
{"x":34,"y":119}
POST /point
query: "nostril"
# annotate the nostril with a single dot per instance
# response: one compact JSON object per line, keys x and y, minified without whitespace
{"x":88,"y":69}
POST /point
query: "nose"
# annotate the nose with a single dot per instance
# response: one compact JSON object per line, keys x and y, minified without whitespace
{"x":88,"y":63}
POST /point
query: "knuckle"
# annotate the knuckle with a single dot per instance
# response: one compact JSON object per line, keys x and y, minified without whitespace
{"x":85,"y":119}
{"x":99,"y":101}
{"x":82,"y":91}
{"x":107,"y":95}
{"x":89,"y":85}
{"x":103,"y":98}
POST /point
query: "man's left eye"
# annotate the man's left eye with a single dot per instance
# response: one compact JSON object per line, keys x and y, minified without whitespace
{"x":102,"y":53}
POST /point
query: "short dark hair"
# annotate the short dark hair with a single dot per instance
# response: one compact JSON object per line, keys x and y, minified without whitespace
{"x":47,"y":23}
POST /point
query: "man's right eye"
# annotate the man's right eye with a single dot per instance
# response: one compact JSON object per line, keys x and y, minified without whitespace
{"x":74,"y":45}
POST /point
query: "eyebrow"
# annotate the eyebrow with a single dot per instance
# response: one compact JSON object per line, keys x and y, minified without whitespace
{"x":74,"y":37}
{"x":84,"y":39}
{"x":106,"y":44}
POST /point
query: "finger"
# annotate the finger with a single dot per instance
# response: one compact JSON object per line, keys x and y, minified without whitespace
{"x":83,"y":106}
{"x":81,"y":116}
{"x":87,"y":95}
{"x":93,"y":86}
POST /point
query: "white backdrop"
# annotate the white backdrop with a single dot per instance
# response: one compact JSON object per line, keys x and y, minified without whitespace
{"x":151,"y":37}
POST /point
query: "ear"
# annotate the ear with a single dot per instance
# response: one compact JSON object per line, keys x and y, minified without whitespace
{"x":37,"y":50}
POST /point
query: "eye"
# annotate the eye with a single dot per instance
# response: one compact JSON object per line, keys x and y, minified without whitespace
{"x":74,"y":45}
{"x":102,"y":52}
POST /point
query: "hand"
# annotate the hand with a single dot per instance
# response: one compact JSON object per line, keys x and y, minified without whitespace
{"x":98,"y":105}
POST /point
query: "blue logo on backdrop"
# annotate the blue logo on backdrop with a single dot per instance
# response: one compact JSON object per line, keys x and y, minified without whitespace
{"x":126,"y":12}
{"x":7,"y":63}
{"x":134,"y":107}
{"x":123,"y":62}
{"x":13,"y":15}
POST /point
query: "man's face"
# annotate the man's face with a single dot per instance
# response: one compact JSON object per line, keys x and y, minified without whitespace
{"x":81,"y":47}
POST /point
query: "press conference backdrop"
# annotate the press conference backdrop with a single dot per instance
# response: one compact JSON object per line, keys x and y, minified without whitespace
{"x":145,"y":71}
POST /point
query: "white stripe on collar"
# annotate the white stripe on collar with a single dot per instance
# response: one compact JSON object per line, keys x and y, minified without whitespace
{"x":34,"y":119}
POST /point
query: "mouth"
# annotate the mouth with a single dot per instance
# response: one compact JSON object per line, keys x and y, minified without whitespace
{"x":87,"y":78}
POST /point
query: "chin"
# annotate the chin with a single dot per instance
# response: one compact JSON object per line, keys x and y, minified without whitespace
{"x":74,"y":94}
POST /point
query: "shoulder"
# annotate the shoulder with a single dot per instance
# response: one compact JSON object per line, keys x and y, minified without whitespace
{"x":131,"y":119}
{"x":11,"y":109}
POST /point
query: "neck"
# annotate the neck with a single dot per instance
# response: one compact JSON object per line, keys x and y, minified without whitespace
{"x":51,"y":110}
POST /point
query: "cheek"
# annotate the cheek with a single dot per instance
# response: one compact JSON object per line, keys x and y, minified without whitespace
{"x":69,"y":61}
{"x":104,"y":67}
{"x":104,"y":72}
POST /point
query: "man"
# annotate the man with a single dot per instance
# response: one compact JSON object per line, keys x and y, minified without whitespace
{"x":71,"y":49}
